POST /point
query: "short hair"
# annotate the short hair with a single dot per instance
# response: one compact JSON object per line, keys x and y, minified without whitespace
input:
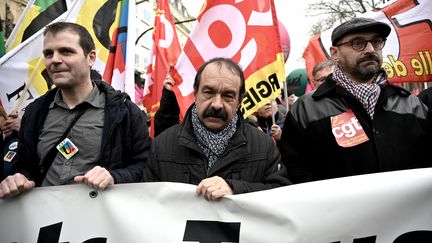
{"x":85,"y":40}
{"x":230,"y":64}
{"x":322,"y":65}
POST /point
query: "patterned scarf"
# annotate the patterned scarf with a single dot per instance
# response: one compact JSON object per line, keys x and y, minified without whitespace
{"x":367,"y":94}
{"x":212,"y":144}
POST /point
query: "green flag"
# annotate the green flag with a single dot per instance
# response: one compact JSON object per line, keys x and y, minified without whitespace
{"x":2,"y":42}
{"x":36,"y":15}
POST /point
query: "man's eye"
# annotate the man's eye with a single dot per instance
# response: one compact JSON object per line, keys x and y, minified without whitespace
{"x":358,"y":42}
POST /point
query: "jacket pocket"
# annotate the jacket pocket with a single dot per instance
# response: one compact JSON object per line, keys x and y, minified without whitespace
{"x":250,"y":168}
{"x":172,"y":169}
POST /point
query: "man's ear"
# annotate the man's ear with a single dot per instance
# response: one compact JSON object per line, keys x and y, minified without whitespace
{"x":334,"y":53}
{"x":91,"y":57}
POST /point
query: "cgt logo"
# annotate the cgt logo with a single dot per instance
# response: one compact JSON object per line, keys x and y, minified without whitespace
{"x":347,"y":130}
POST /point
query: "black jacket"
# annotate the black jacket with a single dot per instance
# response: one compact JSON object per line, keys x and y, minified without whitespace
{"x":125,"y":139}
{"x":399,"y":136}
{"x":251,"y":161}
{"x":168,"y":113}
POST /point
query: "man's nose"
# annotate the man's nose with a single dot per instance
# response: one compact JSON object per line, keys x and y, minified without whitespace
{"x":217,"y":102}
{"x":56,"y":58}
{"x":369,"y":47}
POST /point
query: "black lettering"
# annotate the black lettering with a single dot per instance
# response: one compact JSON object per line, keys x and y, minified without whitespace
{"x":96,"y":240}
{"x":50,"y":233}
{"x":274,"y":81}
{"x":211,"y":231}
{"x":415,"y":236}
{"x":369,"y":239}
{"x":17,"y":94}
{"x":248,"y":100}
{"x":264,"y":89}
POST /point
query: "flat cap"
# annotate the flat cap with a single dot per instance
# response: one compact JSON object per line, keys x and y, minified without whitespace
{"x":356,"y":25}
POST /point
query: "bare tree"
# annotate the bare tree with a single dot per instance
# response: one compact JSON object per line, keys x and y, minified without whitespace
{"x":331,"y":12}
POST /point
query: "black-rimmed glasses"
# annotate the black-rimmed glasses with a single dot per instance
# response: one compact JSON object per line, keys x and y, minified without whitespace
{"x":360,"y":44}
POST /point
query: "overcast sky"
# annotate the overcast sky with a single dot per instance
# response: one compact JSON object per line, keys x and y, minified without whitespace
{"x":292,"y":14}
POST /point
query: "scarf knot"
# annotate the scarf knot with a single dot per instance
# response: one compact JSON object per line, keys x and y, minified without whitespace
{"x":212,"y":144}
{"x":367,"y":94}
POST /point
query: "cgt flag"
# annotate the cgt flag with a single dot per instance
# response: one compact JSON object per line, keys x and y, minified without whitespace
{"x":164,"y":54}
{"x":245,"y":31}
{"x":17,"y":65}
{"x":407,"y":53}
{"x":119,"y":70}
{"x":36,"y":15}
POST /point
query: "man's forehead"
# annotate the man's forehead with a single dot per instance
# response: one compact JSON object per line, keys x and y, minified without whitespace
{"x":360,"y":35}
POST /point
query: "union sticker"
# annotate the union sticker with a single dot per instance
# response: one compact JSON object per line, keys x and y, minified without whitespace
{"x":67,"y":148}
{"x":347,"y":130}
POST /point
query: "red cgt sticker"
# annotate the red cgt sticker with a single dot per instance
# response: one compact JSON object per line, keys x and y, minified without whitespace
{"x":347,"y":130}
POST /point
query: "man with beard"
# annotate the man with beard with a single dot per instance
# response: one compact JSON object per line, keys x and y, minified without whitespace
{"x":214,"y":148}
{"x":356,"y":122}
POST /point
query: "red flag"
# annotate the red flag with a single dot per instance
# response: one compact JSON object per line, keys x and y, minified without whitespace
{"x":407,"y":55}
{"x":165,"y":52}
{"x":119,"y":69}
{"x":245,"y":31}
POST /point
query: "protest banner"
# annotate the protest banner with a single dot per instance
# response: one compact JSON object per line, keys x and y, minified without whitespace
{"x":376,"y":208}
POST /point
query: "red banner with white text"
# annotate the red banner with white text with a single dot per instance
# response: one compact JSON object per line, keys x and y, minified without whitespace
{"x":245,"y":31}
{"x":407,"y":55}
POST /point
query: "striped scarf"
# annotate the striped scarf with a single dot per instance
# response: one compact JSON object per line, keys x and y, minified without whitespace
{"x":367,"y":94}
{"x":212,"y":144}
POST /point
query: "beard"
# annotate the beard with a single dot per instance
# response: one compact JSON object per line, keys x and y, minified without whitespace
{"x":364,"y":69}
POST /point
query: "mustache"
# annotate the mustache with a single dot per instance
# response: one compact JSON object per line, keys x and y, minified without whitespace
{"x":370,"y":57}
{"x":215,"y":113}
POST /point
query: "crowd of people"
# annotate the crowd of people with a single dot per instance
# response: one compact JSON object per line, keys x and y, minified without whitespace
{"x":83,"y":131}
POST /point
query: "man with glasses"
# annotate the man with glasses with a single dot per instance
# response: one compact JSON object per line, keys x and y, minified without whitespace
{"x":356,"y":122}
{"x":321,"y":71}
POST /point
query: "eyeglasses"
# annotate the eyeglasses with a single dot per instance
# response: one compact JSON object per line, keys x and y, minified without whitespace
{"x":359,"y":44}
{"x":320,"y":80}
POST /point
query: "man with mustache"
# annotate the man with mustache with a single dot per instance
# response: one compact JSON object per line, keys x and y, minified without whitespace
{"x":356,"y":122}
{"x":214,"y":148}
{"x":82,"y":131}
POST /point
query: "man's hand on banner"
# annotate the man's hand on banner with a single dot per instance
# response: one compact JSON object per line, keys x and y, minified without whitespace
{"x":98,"y":178}
{"x":14,"y":185}
{"x":213,"y":188}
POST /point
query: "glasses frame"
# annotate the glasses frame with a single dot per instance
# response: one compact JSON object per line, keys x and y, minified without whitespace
{"x":351,"y":43}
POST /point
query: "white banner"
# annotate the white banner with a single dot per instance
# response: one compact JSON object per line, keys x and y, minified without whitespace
{"x":387,"y":207}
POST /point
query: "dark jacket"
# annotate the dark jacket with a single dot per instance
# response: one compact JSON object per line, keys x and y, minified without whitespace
{"x":398,"y":136}
{"x":125,"y":139}
{"x":426,"y":97}
{"x":9,"y":153}
{"x":251,"y":162}
{"x":168,"y":113}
